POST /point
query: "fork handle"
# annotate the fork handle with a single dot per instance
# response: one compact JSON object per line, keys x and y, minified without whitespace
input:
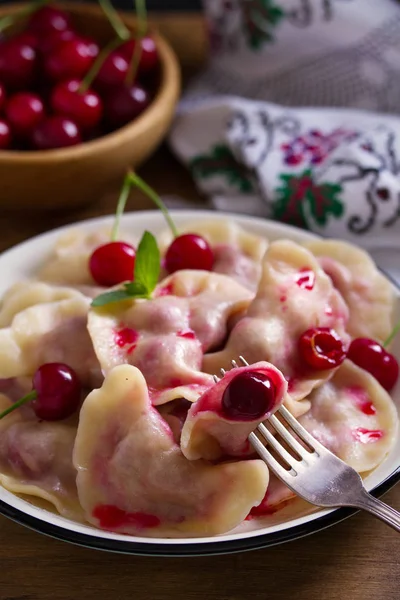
{"x":379,"y":509}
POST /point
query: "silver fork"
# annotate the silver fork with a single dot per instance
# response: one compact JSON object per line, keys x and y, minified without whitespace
{"x":318,"y":476}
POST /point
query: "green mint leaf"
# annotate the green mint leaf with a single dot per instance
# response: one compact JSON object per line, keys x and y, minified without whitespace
{"x":147,"y":263}
{"x":136,"y":289}
{"x":110,"y":297}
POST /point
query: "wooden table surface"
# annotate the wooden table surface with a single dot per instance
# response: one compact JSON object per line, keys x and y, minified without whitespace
{"x":357,"y":559}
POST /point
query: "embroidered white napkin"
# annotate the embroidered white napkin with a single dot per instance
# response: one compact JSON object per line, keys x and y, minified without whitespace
{"x":334,"y":170}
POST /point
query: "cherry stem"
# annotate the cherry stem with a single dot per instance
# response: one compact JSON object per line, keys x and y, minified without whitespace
{"x":391,"y":337}
{"x":123,"y":197}
{"x":95,"y":68}
{"x":141,"y":15}
{"x":116,"y":22}
{"x":150,"y":193}
{"x":24,"y":12}
{"x":24,"y":400}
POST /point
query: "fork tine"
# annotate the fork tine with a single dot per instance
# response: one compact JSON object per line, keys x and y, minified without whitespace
{"x":283,"y":453}
{"x":216,"y":379}
{"x":222,"y":372}
{"x":244,"y":361}
{"x":269,"y":459}
{"x":288,"y":437}
{"x":301,"y":432}
{"x":234,"y":364}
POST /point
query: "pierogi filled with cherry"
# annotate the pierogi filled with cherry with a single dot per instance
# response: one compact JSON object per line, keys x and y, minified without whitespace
{"x":113,"y":405}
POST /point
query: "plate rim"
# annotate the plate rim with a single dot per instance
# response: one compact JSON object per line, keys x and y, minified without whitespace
{"x":219,"y":546}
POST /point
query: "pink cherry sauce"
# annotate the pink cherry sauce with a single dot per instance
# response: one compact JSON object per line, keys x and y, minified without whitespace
{"x":367,"y":436}
{"x":126,"y":337}
{"x":305,"y":278}
{"x":111,"y":517}
{"x":362,"y":400}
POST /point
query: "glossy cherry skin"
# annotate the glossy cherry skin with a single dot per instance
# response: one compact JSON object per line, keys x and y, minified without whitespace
{"x":55,"y":132}
{"x":321,"y":348}
{"x":52,"y":40}
{"x":112,"y":72}
{"x":248,"y":396}
{"x":17,"y":63}
{"x":189,"y":251}
{"x":125,"y":103}
{"x":58,"y":392}
{"x":112,"y":263}
{"x":5,"y":135}
{"x":24,"y":111}
{"x":149,"y":58}
{"x":70,"y":59}
{"x":48,"y":19}
{"x":85,"y":108}
{"x":371,"y":356}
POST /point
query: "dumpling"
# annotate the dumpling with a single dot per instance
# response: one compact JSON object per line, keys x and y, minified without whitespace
{"x":354,"y":417}
{"x":134,"y":479}
{"x":36,"y":459}
{"x":24,"y":294}
{"x":294,"y":295}
{"x":368,"y":294}
{"x":53,"y":332}
{"x":166,"y":336}
{"x":69,"y":263}
{"x":237,"y":252}
{"x":209,"y":433}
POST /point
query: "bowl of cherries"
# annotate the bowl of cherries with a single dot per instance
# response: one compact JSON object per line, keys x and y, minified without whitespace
{"x":84,"y":93}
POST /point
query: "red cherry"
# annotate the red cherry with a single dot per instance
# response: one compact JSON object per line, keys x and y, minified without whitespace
{"x":26,"y":37}
{"x":5,"y":135}
{"x":149,"y":58}
{"x":49,"y":19}
{"x":189,"y":251}
{"x":58,"y":392}
{"x":70,"y":59}
{"x":17,"y":63}
{"x":55,"y":132}
{"x":112,"y":263}
{"x":125,"y":103}
{"x":24,"y":111}
{"x":372,"y":357}
{"x":85,"y":108}
{"x":2,"y":96}
{"x":50,"y":42}
{"x":321,"y":348}
{"x":112,"y":72}
{"x":248,"y":396}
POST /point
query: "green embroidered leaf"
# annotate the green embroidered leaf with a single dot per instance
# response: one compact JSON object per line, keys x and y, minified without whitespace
{"x":297,"y":190}
{"x":260,"y":17}
{"x":221,"y":161}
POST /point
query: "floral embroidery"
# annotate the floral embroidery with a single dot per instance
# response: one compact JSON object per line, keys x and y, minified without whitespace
{"x":260,"y":17}
{"x":297,"y":190}
{"x":314,"y":146}
{"x":221,"y":161}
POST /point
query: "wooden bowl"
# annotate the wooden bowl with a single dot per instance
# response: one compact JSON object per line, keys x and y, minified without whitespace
{"x":77,"y":176}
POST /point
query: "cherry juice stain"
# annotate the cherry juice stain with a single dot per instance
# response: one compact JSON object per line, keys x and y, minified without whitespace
{"x":126,"y":337}
{"x":362,"y":400}
{"x":188,"y":334}
{"x":111,"y":517}
{"x":305,"y":278}
{"x":165,"y":290}
{"x":367,"y":436}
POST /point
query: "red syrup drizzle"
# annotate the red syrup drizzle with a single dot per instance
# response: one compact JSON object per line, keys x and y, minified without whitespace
{"x":126,"y":337}
{"x":186,"y":333}
{"x":111,"y":517}
{"x":305,"y":278}
{"x":165,"y":290}
{"x":367,"y":436}
{"x":362,"y":400}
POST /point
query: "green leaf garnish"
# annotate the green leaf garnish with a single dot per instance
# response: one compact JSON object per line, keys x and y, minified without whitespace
{"x":147,"y":263}
{"x":146,"y":273}
{"x":393,"y":334}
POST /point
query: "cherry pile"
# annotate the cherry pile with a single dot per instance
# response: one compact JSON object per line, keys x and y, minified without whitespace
{"x":43,"y":104}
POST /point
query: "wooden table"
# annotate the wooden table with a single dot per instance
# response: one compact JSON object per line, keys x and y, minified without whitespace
{"x":355,"y":560}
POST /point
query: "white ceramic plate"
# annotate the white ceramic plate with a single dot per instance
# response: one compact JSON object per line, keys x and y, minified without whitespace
{"x":292,"y":522}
